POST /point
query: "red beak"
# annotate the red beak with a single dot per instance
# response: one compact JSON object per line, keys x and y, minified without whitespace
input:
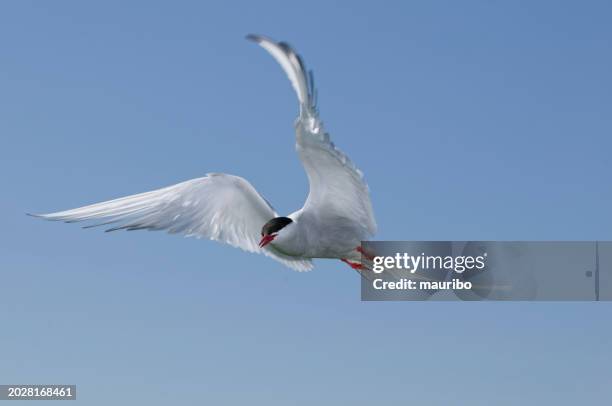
{"x":266,"y":239}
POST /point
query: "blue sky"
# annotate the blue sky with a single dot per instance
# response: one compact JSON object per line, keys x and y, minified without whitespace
{"x":471,"y":120}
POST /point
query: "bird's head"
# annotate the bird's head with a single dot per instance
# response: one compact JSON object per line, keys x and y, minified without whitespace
{"x":272,"y":228}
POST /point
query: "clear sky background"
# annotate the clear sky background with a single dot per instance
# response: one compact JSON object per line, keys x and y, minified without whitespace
{"x":471,"y":120}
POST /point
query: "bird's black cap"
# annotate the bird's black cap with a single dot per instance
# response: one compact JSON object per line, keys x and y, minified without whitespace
{"x":275,"y":225}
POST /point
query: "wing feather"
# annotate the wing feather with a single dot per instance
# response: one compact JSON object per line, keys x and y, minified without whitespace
{"x":337,"y":187}
{"x":219,"y":207}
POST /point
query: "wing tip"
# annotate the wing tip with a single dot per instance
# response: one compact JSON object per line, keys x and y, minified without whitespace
{"x":40,"y":216}
{"x":51,"y":217}
{"x":293,"y":65}
{"x":255,"y":38}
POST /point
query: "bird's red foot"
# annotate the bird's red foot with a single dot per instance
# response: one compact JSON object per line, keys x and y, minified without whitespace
{"x":365,"y":254}
{"x":355,"y":265}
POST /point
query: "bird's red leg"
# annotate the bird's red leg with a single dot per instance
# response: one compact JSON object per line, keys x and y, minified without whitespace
{"x":354,"y":265}
{"x":366,"y":254}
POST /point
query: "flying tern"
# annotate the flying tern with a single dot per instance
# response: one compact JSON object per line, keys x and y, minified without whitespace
{"x":336,"y":217}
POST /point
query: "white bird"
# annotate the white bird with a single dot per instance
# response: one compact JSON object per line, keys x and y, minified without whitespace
{"x":336,"y":217}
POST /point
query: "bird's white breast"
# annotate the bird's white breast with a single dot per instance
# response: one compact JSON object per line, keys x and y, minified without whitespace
{"x":315,"y":236}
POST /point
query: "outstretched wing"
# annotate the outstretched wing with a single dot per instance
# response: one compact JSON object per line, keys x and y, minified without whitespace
{"x":337,"y":187}
{"x":219,"y":207}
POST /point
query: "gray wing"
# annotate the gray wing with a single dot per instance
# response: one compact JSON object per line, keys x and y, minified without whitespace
{"x":337,"y":187}
{"x":219,"y":207}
